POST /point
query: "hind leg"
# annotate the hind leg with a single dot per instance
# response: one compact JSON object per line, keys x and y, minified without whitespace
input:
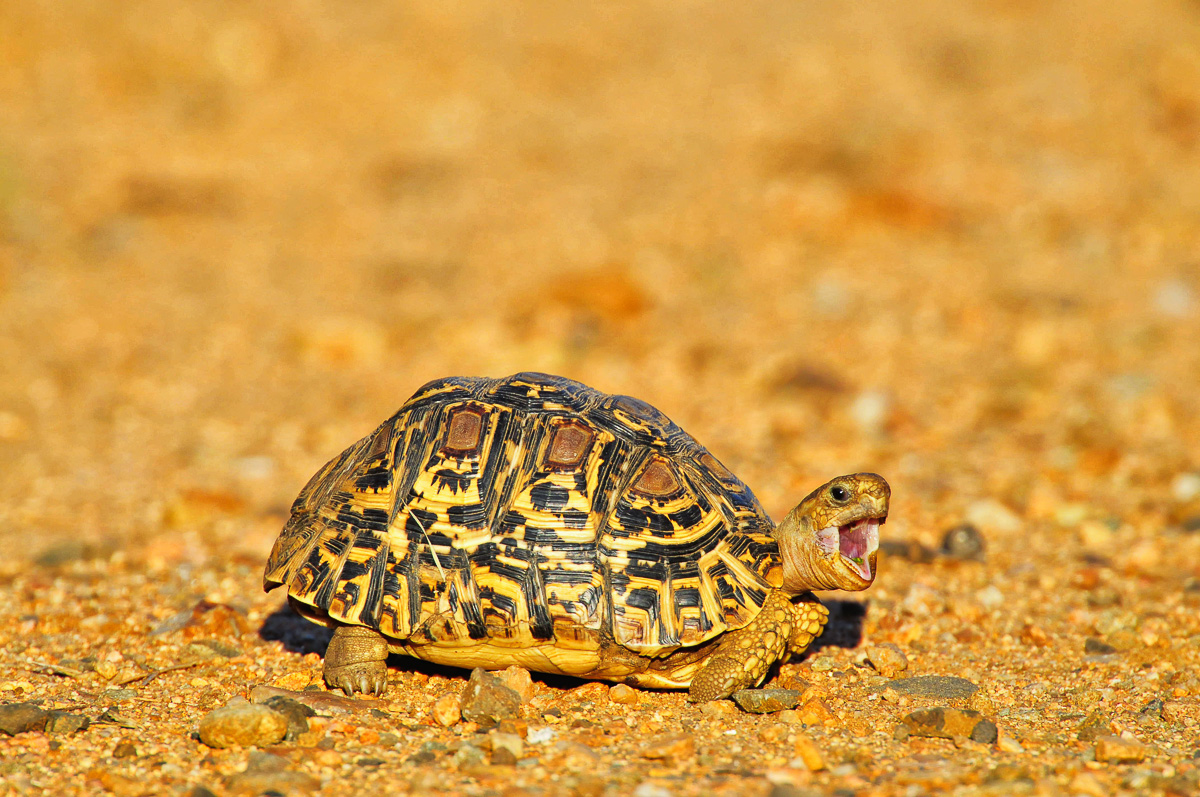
{"x":356,"y":660}
{"x":745,"y":655}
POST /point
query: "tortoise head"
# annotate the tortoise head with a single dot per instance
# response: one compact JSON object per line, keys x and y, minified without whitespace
{"x":830,"y":541}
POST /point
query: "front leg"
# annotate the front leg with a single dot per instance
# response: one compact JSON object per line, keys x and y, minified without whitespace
{"x":356,"y":660}
{"x":809,"y":617}
{"x":745,"y":655}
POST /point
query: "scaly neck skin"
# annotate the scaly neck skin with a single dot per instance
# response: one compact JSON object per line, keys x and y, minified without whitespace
{"x":805,"y":566}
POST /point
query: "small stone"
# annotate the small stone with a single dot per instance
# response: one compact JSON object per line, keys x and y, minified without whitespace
{"x":1093,"y":727}
{"x":990,"y":597}
{"x":947,"y":723}
{"x":446,"y":710}
{"x":62,"y":722}
{"x":887,"y":659}
{"x":506,"y":747}
{"x":332,"y":758}
{"x":823,"y":664}
{"x":578,"y":757}
{"x":486,"y":700}
{"x":1118,"y":750}
{"x":677,"y":748}
{"x":106,"y":670}
{"x":21,"y":718}
{"x":519,"y":680}
{"x":1173,"y":710}
{"x":1088,"y":785}
{"x":625,"y":695}
{"x":293,"y":680}
{"x":766,"y":701}
{"x":718,"y":708}
{"x":322,"y":702}
{"x":1096,"y":647}
{"x":271,"y":782}
{"x":963,"y":542}
{"x":815,"y":712}
{"x":243,"y":724}
{"x":808,"y":752}
{"x":945,"y":687}
{"x":124,"y":750}
{"x":296,"y":712}
{"x":774,"y":733}
{"x":1008,"y":744}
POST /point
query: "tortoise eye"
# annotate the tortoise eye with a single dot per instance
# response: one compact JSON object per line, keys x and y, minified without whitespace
{"x":839,"y":493}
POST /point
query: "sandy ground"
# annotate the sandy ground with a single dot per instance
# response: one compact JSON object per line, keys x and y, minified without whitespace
{"x":954,"y":243}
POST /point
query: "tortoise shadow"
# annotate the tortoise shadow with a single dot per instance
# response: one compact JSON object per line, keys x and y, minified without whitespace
{"x":302,"y":636}
{"x":845,"y":628}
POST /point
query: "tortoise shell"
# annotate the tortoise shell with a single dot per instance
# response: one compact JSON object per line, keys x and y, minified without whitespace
{"x":529,"y":511}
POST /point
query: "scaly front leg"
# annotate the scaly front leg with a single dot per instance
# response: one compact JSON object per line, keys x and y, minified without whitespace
{"x":745,"y":655}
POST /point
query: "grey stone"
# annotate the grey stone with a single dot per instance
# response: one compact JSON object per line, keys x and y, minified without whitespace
{"x":296,"y":712}
{"x":963,"y":542}
{"x":1096,"y":647}
{"x":21,"y":718}
{"x":948,"y":723}
{"x":766,"y":701}
{"x":487,"y":701}
{"x":63,"y":722}
{"x":947,"y":687}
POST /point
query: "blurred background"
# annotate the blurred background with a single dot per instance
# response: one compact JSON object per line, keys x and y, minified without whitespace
{"x":957,"y":243}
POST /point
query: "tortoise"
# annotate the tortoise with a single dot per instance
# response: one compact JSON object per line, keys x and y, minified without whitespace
{"x":535,"y":521}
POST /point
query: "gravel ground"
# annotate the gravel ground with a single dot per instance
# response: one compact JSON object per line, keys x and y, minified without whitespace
{"x":953,"y":243}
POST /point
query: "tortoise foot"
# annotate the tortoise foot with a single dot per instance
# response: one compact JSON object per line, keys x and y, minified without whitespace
{"x":356,"y":661}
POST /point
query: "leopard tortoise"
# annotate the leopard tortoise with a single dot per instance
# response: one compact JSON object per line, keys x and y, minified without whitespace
{"x":534,"y":521}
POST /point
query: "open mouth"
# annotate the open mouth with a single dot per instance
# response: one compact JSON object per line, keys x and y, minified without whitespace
{"x":856,"y":542}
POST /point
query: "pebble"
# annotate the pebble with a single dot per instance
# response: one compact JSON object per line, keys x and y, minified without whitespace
{"x":486,"y":700}
{"x":1173,"y":710}
{"x":887,"y":659}
{"x":21,"y":718}
{"x":321,"y":702}
{"x":774,"y":733}
{"x":990,"y":597}
{"x":947,"y":687}
{"x":1093,"y":727}
{"x":1118,"y":750}
{"x":519,"y":680}
{"x":125,"y":750}
{"x":1008,"y":744}
{"x":963,"y":542}
{"x":268,"y":774}
{"x":947,"y":723}
{"x":63,"y":722}
{"x":446,"y":710}
{"x":766,"y":701}
{"x":296,"y":712}
{"x":718,"y":708}
{"x":625,"y":695}
{"x":294,"y":681}
{"x":676,"y":748}
{"x":243,"y":724}
{"x":823,"y":664}
{"x":506,"y":747}
{"x":809,"y":754}
{"x":815,"y":712}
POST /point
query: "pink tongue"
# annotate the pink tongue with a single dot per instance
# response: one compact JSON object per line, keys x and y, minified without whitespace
{"x":853,"y":546}
{"x":854,"y":541}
